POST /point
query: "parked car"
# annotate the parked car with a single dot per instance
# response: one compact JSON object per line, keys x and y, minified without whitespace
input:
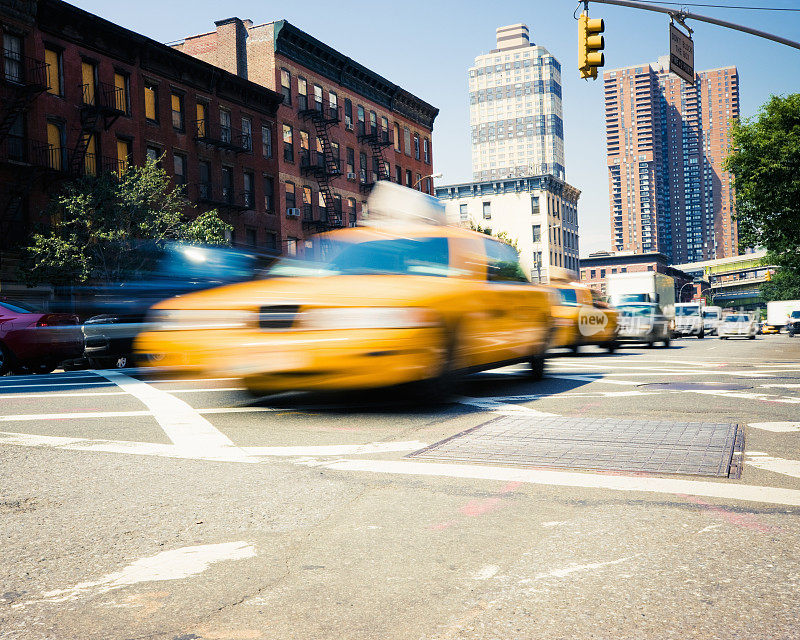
{"x":738,"y":325}
{"x":377,"y":307}
{"x":118,"y":309}
{"x":793,"y":324}
{"x":643,"y":322}
{"x":34,"y":341}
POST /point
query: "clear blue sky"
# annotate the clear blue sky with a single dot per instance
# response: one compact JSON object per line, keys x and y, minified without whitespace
{"x":427,"y":47}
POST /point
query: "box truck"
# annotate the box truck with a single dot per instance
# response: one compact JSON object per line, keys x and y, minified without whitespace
{"x":642,"y":286}
{"x":779,"y":310}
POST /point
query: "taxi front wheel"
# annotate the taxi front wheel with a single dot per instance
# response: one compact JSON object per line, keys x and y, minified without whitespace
{"x":537,"y":367}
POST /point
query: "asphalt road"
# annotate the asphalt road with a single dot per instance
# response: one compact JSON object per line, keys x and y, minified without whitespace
{"x":134,"y":506}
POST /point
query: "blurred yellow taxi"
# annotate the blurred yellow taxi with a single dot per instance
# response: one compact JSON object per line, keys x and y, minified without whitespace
{"x":581,"y":317}
{"x":375,"y":306}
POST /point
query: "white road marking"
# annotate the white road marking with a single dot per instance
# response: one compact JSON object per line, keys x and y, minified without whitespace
{"x":183,"y":425}
{"x":91,"y":394}
{"x":777,"y":465}
{"x":176,"y":564}
{"x":83,"y":415}
{"x":560,"y":573}
{"x":553,"y":523}
{"x":777,"y":427}
{"x":729,"y":491}
{"x":251,"y":454}
{"x":496,"y":405}
{"x":785,"y":385}
{"x":486,"y":572}
{"x":54,"y":385}
{"x":560,"y":376}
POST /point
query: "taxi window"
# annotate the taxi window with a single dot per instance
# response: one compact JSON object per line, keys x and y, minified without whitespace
{"x":568,"y":297}
{"x":502,"y":262}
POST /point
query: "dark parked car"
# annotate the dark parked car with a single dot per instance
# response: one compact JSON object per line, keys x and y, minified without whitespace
{"x":118,"y":310}
{"x":34,"y":341}
{"x":793,"y":325}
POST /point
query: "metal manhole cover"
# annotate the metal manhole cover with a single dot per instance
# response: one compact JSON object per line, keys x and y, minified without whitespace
{"x":696,"y":386}
{"x":650,"y":446}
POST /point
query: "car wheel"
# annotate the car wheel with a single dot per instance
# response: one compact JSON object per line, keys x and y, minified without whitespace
{"x":751,"y":337}
{"x":6,"y":360}
{"x":537,"y":367}
{"x":440,"y":388}
{"x":611,"y":347}
{"x":575,"y":348}
{"x":665,"y":343}
{"x":723,"y":338}
{"x":701,"y":335}
{"x":27,"y":368}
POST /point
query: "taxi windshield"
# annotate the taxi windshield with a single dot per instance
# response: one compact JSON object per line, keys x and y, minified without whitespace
{"x":408,"y":256}
{"x":640,"y":310}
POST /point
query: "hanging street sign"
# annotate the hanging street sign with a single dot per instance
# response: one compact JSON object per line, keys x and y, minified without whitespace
{"x":681,"y":54}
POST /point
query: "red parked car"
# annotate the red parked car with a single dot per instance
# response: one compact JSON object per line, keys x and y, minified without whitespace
{"x":32,"y":341}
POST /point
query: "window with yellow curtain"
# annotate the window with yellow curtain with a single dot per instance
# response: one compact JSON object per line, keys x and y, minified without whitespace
{"x":151,"y":101}
{"x":121,"y":92}
{"x":88,"y":78}
{"x":54,"y":80}
{"x":90,"y":159}
{"x":55,"y":144}
{"x":177,"y":112}
{"x":202,"y":114}
{"x":123,"y":155}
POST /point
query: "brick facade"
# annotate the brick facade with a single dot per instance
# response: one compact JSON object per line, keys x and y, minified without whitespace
{"x":278,"y":52}
{"x":598,"y":266}
{"x":123,"y":64}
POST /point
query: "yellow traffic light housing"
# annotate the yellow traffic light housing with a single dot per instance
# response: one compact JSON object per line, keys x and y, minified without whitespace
{"x":590,"y":45}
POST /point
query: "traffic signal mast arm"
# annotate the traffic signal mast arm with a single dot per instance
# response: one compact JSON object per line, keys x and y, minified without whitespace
{"x":680,"y":16}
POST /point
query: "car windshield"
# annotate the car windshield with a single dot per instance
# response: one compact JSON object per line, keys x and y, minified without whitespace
{"x":19,"y":307}
{"x":639,"y":310}
{"x":710,"y":314}
{"x":687,"y":311}
{"x":796,"y":314}
{"x":737,"y":319}
{"x":410,"y":256}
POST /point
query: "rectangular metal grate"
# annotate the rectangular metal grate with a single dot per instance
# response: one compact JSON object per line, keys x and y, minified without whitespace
{"x":647,"y":446}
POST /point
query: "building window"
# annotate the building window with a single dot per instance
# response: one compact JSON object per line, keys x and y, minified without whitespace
{"x":373,"y":122}
{"x":121,"y":90}
{"x":418,"y":182}
{"x":13,"y":68}
{"x":602,"y":273}
{"x":407,"y":140}
{"x":593,"y":274}
{"x":361,"y":120}
{"x":398,"y":170}
{"x":323,"y":207}
{"x":318,"y":98}
{"x":348,"y":114}
{"x":250,"y":236}
{"x":409,"y":178}
{"x":179,"y":166}
{"x":288,"y":144}
{"x":204,"y":167}
{"x":302,"y":94}
{"x":291,"y":203}
{"x":202,"y":120}
{"x":89,"y":79}
{"x":397,"y":139}
{"x":247,"y":134}
{"x":351,"y":212}
{"x":249,"y":190}
{"x":537,"y":232}
{"x":337,"y":158}
{"x":305,"y":158}
{"x":308,"y":207}
{"x":151,"y":101}
{"x":90,"y":157}
{"x":55,"y":144}
{"x":177,"y":112}
{"x":225,"y":130}
{"x":123,"y":155}
{"x":333,"y":102}
{"x":535,"y":205}
{"x":487,"y":210}
{"x":266,"y":141}
{"x":272,"y":241}
{"x":462,"y":212}
{"x":291,"y":247}
{"x":426,"y":150}
{"x":416,"y":146}
{"x":153,"y":154}
{"x":269,"y":194}
{"x":351,"y":162}
{"x":286,"y":86}
{"x":384,"y":129}
{"x":362,"y":164}
{"x":55,"y":72}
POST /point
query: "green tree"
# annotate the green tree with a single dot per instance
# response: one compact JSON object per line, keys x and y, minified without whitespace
{"x":501,"y":235}
{"x":99,"y":226}
{"x":765,"y":163}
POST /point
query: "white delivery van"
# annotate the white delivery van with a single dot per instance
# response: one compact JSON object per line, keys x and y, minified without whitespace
{"x":779,"y":310}
{"x":712,"y":316}
{"x":689,"y":319}
{"x":642,"y":286}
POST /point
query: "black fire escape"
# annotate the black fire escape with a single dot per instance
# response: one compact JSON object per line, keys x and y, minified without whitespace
{"x":378,"y":138}
{"x":101,"y":103}
{"x":23,"y":79}
{"x":226,"y":138}
{"x":323,"y":166}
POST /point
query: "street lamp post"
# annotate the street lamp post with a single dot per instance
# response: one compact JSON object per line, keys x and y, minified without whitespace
{"x":680,"y":291}
{"x":433,"y":175}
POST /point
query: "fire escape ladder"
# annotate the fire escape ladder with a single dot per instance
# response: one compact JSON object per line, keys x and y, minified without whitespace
{"x":377,"y":139}
{"x":323,"y":120}
{"x":89,"y":121}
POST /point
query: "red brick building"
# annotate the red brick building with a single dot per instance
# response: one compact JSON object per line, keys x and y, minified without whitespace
{"x":80,"y":95}
{"x":341,"y":127}
{"x":598,"y":266}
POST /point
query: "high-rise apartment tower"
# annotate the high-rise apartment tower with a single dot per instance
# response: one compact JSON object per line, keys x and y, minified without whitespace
{"x":515,"y":109}
{"x":666,"y":142}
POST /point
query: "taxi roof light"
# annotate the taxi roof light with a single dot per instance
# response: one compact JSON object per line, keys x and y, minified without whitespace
{"x":393,"y":204}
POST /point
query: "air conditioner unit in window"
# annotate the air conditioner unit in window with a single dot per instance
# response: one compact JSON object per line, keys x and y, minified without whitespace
{"x":348,"y":126}
{"x":351,"y":175}
{"x":293,"y":212}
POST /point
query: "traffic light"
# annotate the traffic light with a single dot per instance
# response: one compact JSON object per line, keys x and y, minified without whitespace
{"x":590,"y":56}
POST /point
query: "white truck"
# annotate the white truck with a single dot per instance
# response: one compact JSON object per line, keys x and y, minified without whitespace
{"x":642,"y":286}
{"x":779,"y":310}
{"x":689,"y":319}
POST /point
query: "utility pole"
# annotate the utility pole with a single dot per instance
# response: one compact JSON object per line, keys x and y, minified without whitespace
{"x":680,"y":16}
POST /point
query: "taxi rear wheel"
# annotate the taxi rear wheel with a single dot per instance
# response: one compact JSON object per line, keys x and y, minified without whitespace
{"x":537,"y":367}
